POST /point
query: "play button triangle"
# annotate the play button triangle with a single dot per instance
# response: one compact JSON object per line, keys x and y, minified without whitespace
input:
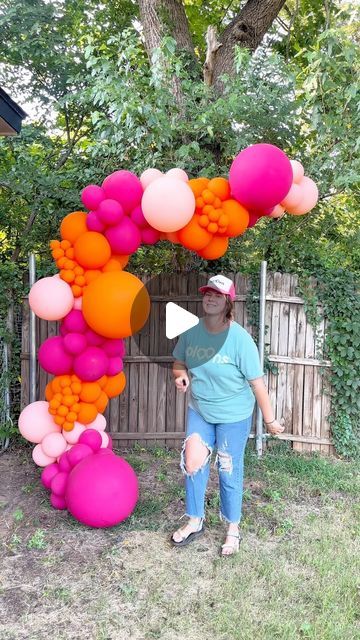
{"x":178,"y":320}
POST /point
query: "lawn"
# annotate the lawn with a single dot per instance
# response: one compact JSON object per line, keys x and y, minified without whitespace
{"x":296,"y":575}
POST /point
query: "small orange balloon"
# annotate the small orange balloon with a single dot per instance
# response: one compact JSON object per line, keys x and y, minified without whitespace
{"x":116,"y":304}
{"x":238,"y":218}
{"x":115,"y":385}
{"x":90,"y":391}
{"x":220,"y":187}
{"x":197,"y":186}
{"x":172,"y":236}
{"x":193,"y":236}
{"x":49,"y":392}
{"x":102,"y":402}
{"x":215,"y":249}
{"x":87,"y":413}
{"x":73,"y":226}
{"x":92,"y":250}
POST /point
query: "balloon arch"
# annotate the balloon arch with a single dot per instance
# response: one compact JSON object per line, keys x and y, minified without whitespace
{"x":100,"y":304}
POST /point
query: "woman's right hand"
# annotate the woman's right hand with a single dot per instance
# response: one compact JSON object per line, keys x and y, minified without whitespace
{"x":180,"y":384}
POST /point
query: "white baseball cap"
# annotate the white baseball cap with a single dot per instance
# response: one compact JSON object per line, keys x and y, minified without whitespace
{"x":221,"y":284}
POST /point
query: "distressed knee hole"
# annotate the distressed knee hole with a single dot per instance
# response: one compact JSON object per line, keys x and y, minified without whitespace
{"x":195,"y":454}
{"x":225,"y":461}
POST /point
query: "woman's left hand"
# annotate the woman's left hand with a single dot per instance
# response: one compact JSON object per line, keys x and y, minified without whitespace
{"x":274,"y":428}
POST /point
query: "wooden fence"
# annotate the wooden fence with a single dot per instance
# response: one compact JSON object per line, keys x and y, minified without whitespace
{"x":151,"y":410}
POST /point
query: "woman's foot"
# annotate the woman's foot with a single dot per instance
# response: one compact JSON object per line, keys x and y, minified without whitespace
{"x":232,"y":541}
{"x":193,"y":529}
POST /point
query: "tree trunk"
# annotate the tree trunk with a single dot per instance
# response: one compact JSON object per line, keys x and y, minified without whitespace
{"x":247,"y":29}
{"x":161,"y":18}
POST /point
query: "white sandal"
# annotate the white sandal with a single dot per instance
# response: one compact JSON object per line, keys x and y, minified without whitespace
{"x":234,"y":546}
{"x":196,"y":533}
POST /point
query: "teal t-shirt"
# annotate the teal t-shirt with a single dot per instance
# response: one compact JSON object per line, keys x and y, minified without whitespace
{"x":220,"y":390}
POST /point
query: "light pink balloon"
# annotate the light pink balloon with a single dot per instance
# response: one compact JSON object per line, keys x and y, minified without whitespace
{"x":53,"y":445}
{"x":293,"y":197}
{"x":51,"y":298}
{"x":310,"y":196}
{"x":298,"y":171}
{"x":180,"y":174}
{"x":105,"y":439}
{"x":35,"y":422}
{"x":148,"y":176}
{"x":168,"y":204}
{"x":278,"y":212}
{"x":99,"y":423}
{"x":40,"y":458}
{"x":73,"y":436}
{"x":78,"y":303}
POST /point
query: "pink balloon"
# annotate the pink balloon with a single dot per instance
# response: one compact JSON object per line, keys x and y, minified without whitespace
{"x":58,"y":483}
{"x":78,"y":453}
{"x":125,"y":187}
{"x":74,"y":322}
{"x":309,"y":198}
{"x":137,"y":217}
{"x":114,"y":347}
{"x":104,"y":439}
{"x":93,"y":339}
{"x":64,"y":464}
{"x":105,"y":451}
{"x":53,"y":357}
{"x":91,"y":364}
{"x":148,"y":176}
{"x":99,"y":423}
{"x":102,"y":490}
{"x":110,"y":442}
{"x":91,"y":196}
{"x":150,"y":236}
{"x":278,"y":212}
{"x":35,"y":422}
{"x":78,"y":303}
{"x":72,"y":437}
{"x":58,"y":502}
{"x":53,"y":445}
{"x":110,"y":212}
{"x":49,"y":473}
{"x":115,"y":366}
{"x":124,"y":238}
{"x":180,"y":174}
{"x":293,"y":197}
{"x":92,"y":438}
{"x":40,"y":458}
{"x":51,"y":298}
{"x":74,"y":343}
{"x":94,"y":223}
{"x":168,"y":204}
{"x":253,"y":218}
{"x":260,"y":176}
{"x":298,"y":171}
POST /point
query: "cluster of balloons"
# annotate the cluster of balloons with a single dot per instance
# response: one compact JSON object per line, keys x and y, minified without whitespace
{"x":100,"y":304}
{"x":97,"y":487}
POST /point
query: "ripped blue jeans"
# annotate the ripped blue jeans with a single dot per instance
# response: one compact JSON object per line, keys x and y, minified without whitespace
{"x":230,"y":441}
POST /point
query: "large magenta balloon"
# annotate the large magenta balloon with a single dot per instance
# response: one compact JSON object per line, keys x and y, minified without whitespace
{"x":91,"y":364}
{"x":260,"y":176}
{"x":125,"y":187}
{"x":53,"y":357}
{"x":102,"y":490}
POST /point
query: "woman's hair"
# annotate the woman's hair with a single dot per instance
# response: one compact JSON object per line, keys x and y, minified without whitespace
{"x":229,"y":309}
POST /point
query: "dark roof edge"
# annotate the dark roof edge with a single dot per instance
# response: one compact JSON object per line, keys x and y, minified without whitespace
{"x":12,"y":104}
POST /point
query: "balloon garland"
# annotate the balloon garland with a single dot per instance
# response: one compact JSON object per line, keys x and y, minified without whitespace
{"x":100,"y":304}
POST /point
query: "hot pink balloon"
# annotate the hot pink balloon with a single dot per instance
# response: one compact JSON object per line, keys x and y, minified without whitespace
{"x":64,"y":464}
{"x":150,"y":236}
{"x":137,"y":217}
{"x":310,"y":196}
{"x":91,"y":364}
{"x":99,"y":423}
{"x":260,"y":176}
{"x":51,"y":298}
{"x":168,"y":204}
{"x":78,"y":453}
{"x":53,"y":445}
{"x":91,"y":196}
{"x":115,"y":366}
{"x":115,"y":347}
{"x":58,"y":502}
{"x":72,"y":437}
{"x":94,"y":223}
{"x":53,"y":357}
{"x":148,"y":176}
{"x":253,"y":218}
{"x":298,"y":171}
{"x":49,"y":473}
{"x":293,"y":197}
{"x":125,"y":187}
{"x":74,"y":343}
{"x":92,"y":438}
{"x":179,"y":174}
{"x":40,"y":458}
{"x":58,"y":483}
{"x":35,"y":422}
{"x":124,"y":238}
{"x":93,"y":339}
{"x":74,"y":322}
{"x":102,"y":490}
{"x":110,"y":442}
{"x":110,"y":212}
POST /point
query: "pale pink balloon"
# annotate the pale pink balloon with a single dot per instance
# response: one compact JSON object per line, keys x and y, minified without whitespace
{"x":168,"y":204}
{"x":51,"y":298}
{"x":148,"y":176}
{"x":40,"y":458}
{"x":278,"y":212}
{"x":310,"y":196}
{"x":298,"y":171}
{"x":35,"y":422}
{"x":293,"y":197}
{"x":180,"y":174}
{"x":78,"y":303}
{"x":53,"y":445}
{"x":99,"y":423}
{"x":73,"y":436}
{"x":105,"y":439}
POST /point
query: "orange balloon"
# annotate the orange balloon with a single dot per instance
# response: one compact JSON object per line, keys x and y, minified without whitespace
{"x":197,"y":186}
{"x":87,"y":413}
{"x":49,"y":391}
{"x":172,"y":237}
{"x":115,"y":385}
{"x":238,"y":218}
{"x":102,"y":402}
{"x":193,"y":236}
{"x":73,"y":226}
{"x":122,"y":260}
{"x":92,"y":250}
{"x":215,"y":249}
{"x":91,"y":275}
{"x":220,"y":187}
{"x":90,"y":392}
{"x":116,"y":304}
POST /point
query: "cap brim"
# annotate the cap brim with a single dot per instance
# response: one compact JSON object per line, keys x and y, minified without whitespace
{"x":208,"y":288}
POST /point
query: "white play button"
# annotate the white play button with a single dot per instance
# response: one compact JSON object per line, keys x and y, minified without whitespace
{"x":178,"y":320}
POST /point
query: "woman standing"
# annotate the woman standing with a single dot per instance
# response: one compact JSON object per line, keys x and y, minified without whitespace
{"x":226,"y":377}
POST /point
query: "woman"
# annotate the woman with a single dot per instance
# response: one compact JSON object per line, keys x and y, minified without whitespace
{"x":226,"y":377}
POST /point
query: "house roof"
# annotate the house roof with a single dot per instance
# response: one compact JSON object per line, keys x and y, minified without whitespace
{"x":11,"y":115}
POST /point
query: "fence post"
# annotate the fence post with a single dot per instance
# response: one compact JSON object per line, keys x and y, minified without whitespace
{"x":261,"y":347}
{"x":32,"y":335}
